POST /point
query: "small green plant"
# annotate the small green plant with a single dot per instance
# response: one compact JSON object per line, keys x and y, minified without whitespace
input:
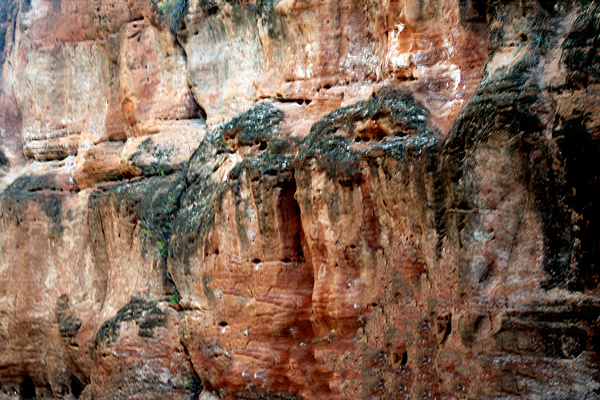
{"x":194,"y":383}
{"x":165,"y":6}
{"x":175,"y":298}
{"x":163,"y":248}
{"x":171,"y":10}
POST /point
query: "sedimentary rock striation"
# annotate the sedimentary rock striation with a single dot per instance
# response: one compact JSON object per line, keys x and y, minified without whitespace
{"x":294,"y":199}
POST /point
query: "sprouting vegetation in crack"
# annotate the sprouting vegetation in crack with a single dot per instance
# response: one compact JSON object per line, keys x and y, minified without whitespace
{"x":169,"y":12}
{"x":194,"y":383}
{"x":175,"y":297}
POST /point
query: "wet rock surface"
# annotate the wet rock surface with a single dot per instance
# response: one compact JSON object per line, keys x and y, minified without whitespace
{"x":299,"y":200}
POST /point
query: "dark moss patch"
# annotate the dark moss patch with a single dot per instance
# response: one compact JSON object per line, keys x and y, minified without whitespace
{"x":395,"y":113}
{"x":52,"y":207}
{"x":580,"y":50}
{"x":146,"y":315}
{"x":196,"y":216}
{"x":43,"y":191}
{"x":68,"y":324}
{"x":335,"y":156}
{"x":69,"y":327}
{"x":266,"y":164}
{"x":392,"y":123}
{"x":256,"y":125}
{"x":162,"y":164}
{"x":151,"y":202}
{"x":33,"y":183}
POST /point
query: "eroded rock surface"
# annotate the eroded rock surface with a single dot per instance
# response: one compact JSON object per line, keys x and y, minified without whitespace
{"x":299,"y":199}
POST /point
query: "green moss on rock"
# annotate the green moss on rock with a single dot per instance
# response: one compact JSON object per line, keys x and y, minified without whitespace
{"x":392,"y":123}
{"x":255,"y":126}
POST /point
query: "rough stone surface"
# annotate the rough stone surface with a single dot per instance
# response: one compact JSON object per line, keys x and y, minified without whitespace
{"x":294,"y":199}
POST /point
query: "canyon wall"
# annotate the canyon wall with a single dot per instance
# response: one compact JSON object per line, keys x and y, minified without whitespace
{"x":299,"y":199}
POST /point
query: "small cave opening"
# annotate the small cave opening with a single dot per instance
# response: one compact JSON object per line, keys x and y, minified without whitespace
{"x":443,"y":327}
{"x":28,"y":389}
{"x":76,"y":387}
{"x":288,"y":211}
{"x":400,"y":358}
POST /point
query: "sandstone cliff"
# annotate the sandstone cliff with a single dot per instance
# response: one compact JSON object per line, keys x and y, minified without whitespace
{"x":299,"y":199}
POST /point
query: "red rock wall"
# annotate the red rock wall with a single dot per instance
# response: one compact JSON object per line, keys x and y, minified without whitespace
{"x":299,"y":199}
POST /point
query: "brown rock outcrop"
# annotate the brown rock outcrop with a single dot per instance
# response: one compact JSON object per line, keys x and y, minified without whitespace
{"x":329,"y":54}
{"x":377,"y":216}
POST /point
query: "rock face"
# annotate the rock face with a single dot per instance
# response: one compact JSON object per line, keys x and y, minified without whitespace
{"x":299,"y":199}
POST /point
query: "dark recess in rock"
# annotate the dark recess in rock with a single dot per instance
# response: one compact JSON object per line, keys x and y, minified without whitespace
{"x":76,"y":387}
{"x":27,"y":389}
{"x":4,"y":164}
